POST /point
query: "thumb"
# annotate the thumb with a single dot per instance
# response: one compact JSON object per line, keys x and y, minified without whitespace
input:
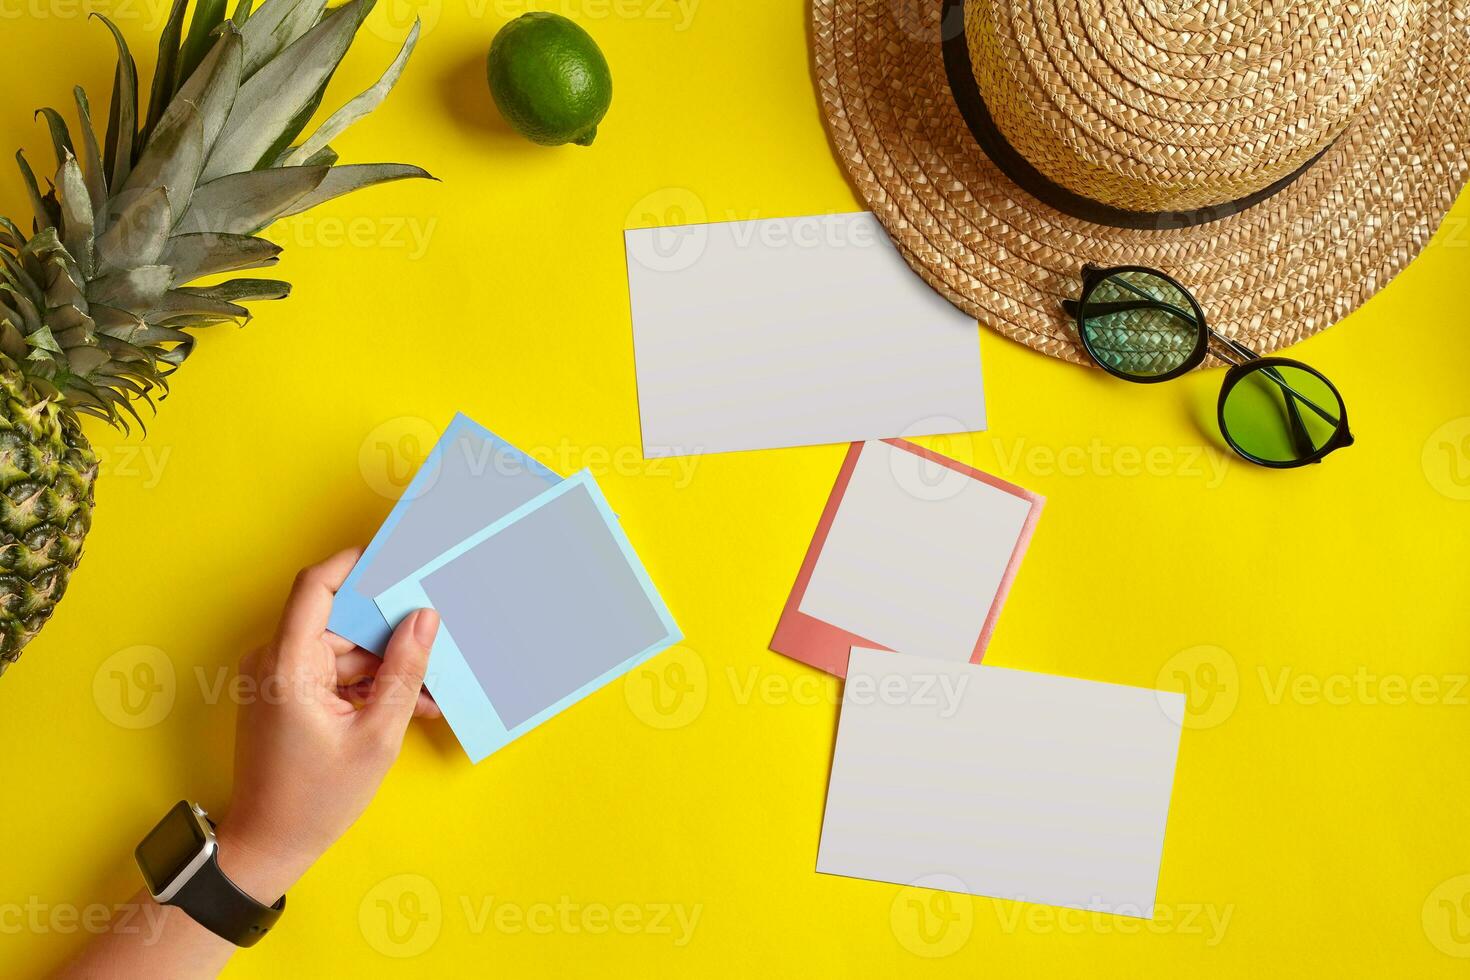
{"x":395,"y":690}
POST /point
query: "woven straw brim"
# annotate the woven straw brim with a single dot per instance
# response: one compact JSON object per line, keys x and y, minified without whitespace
{"x":1268,"y":276}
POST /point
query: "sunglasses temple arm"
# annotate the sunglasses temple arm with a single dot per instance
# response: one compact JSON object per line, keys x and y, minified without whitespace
{"x":1238,"y":349}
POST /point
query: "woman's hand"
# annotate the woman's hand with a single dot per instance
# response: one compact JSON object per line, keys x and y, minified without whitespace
{"x":307,"y":763}
{"x":308,"y":760}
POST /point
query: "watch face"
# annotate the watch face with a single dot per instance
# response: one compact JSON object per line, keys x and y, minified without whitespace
{"x":169,"y":847}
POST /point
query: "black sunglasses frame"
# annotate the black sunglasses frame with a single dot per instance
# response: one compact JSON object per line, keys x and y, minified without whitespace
{"x":1242,"y":360}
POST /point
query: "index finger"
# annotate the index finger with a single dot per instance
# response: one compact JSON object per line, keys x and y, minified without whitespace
{"x":310,"y":603}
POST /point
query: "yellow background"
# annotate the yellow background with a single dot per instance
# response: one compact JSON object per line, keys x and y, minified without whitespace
{"x":1317,"y":618}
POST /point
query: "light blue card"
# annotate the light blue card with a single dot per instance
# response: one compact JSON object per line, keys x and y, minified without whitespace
{"x":538,"y":610}
{"x":470,"y":478}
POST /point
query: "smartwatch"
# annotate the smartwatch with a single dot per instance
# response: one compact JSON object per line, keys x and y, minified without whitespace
{"x":179,"y":862}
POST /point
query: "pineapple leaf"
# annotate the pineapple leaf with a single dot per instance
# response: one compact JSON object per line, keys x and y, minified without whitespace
{"x":174,"y":156}
{"x":138,"y":234}
{"x":43,"y":340}
{"x":18,"y":280}
{"x":359,"y":107}
{"x":12,"y":342}
{"x":325,"y":157}
{"x":192,"y":256}
{"x":177,"y":302}
{"x":214,"y":85}
{"x":208,"y":15}
{"x":242,"y":12}
{"x":352,"y":177}
{"x":274,"y":27}
{"x":46,"y":216}
{"x":271,"y":102}
{"x":122,"y":122}
{"x":242,"y":290}
{"x":196,"y":322}
{"x":30,"y":316}
{"x":114,"y":322}
{"x":167,"y":68}
{"x":60,"y":137}
{"x":242,"y":204}
{"x":10,"y":236}
{"x":77,"y":218}
{"x":133,"y":289}
{"x":91,"y":159}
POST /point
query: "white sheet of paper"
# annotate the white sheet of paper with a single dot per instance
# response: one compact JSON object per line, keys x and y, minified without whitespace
{"x":915,"y":556}
{"x":791,"y":332}
{"x":1001,"y":782}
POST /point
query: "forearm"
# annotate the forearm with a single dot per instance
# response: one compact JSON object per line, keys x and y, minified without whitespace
{"x":146,"y":939}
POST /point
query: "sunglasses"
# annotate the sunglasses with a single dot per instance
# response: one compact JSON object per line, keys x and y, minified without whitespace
{"x":1141,"y":325}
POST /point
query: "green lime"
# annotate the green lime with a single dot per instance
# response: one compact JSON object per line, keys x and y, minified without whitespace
{"x":549,"y":79}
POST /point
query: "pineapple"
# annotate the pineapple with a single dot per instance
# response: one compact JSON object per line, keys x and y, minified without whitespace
{"x":95,"y":301}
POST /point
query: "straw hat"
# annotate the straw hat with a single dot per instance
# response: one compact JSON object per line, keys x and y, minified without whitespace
{"x":1282,"y":158}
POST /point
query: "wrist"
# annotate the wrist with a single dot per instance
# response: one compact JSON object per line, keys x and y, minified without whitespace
{"x":261,"y":870}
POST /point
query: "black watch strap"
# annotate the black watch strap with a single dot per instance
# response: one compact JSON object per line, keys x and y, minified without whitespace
{"x":216,"y":903}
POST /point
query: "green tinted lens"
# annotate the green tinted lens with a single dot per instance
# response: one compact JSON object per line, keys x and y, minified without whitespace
{"x":1139,"y":324}
{"x":1281,"y":413}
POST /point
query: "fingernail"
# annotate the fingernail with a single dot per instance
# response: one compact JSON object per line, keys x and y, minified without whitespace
{"x":425,"y":626}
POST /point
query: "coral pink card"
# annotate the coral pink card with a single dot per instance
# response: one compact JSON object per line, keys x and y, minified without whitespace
{"x":915,"y":552}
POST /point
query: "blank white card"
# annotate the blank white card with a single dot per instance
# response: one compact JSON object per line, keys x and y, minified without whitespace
{"x":1001,"y":782}
{"x":792,"y":332}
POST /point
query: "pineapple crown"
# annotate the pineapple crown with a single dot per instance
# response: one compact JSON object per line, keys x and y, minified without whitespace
{"x":95,"y":302}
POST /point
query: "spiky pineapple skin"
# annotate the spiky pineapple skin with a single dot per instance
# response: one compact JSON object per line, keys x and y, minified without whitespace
{"x":47,"y":474}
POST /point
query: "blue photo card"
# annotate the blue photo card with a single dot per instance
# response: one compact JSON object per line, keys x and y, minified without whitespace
{"x":538,"y":610}
{"x":470,"y":478}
